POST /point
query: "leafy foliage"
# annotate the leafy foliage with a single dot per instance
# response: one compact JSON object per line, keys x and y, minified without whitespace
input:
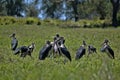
{"x":7,"y":20}
{"x":67,"y":24}
{"x":14,"y":7}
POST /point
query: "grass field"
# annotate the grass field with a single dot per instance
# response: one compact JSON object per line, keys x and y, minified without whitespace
{"x":95,"y":67}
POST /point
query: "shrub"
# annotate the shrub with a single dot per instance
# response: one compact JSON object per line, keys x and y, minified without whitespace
{"x":64,"y":24}
{"x":5,"y":20}
{"x":39,"y":23}
{"x":29,"y":22}
{"x":86,"y":24}
{"x":13,"y":21}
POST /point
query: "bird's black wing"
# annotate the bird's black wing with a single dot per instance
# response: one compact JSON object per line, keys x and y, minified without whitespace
{"x":66,"y":53}
{"x":80,"y":53}
{"x":110,"y":52}
{"x":24,"y":49}
{"x":44,"y":52}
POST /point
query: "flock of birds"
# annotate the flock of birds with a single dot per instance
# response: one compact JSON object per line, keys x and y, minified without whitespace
{"x":58,"y":48}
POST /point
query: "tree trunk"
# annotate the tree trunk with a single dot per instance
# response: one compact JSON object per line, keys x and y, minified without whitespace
{"x":114,"y":17}
{"x":115,"y":11}
{"x":74,"y":5}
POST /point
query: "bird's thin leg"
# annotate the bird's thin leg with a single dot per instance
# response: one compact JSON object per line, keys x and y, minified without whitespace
{"x":31,"y":56}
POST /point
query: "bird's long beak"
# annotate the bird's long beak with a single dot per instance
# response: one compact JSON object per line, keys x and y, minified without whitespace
{"x":10,"y":35}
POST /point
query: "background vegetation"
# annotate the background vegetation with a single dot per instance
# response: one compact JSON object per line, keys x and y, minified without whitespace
{"x":63,"y":9}
{"x":84,"y":23}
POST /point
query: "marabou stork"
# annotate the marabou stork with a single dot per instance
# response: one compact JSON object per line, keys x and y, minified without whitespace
{"x":14,"y":42}
{"x":45,"y":50}
{"x":81,"y":51}
{"x":106,"y":48}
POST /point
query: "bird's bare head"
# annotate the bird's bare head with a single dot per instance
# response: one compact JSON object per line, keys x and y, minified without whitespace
{"x":48,"y":42}
{"x":106,"y":41}
{"x":12,"y":35}
{"x":57,"y":35}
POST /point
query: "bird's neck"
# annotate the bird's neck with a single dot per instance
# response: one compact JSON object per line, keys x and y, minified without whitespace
{"x":14,"y":37}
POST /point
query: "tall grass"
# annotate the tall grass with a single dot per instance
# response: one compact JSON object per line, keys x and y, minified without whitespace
{"x":95,"y":67}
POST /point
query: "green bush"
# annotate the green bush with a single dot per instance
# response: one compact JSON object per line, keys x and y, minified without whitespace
{"x":13,"y":21}
{"x":39,"y":23}
{"x":86,"y":24}
{"x":29,"y":22}
{"x":6,"y":20}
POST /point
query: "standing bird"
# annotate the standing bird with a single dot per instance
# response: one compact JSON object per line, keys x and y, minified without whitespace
{"x":64,"y":50}
{"x":106,"y":48}
{"x":91,"y":49}
{"x":56,"y":44}
{"x":14,"y":42}
{"x":106,"y":42}
{"x":45,"y":50}
{"x":25,"y":50}
{"x":81,"y":51}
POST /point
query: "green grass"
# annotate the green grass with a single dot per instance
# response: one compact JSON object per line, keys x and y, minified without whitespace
{"x":95,"y":67}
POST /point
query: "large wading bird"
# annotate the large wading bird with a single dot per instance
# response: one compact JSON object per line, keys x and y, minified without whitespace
{"x":14,"y":42}
{"x":81,"y":51}
{"x":45,"y":50}
{"x":64,"y":50}
{"x":106,"y":48}
{"x":91,"y":49}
